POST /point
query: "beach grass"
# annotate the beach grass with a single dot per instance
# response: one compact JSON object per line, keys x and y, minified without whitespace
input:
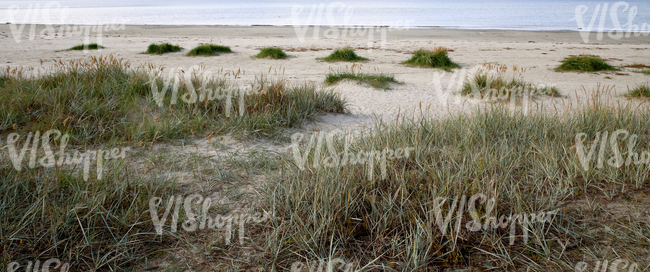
{"x":436,"y":58}
{"x":163,"y":48}
{"x":492,"y":81}
{"x":585,"y":63}
{"x":94,"y":225}
{"x":565,"y":196}
{"x":272,"y":53}
{"x":209,"y":50}
{"x":344,"y":54}
{"x":92,"y":46}
{"x":641,"y":90}
{"x":103,"y":224}
{"x":378,"y":81}
{"x":419,"y":215}
{"x":104,"y":100}
{"x":639,"y":68}
{"x":492,"y":86}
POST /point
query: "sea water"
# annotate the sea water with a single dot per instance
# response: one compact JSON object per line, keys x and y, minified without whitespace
{"x":463,"y":14}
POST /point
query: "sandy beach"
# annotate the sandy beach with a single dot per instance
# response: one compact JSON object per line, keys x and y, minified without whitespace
{"x":476,"y":161}
{"x":538,"y":51}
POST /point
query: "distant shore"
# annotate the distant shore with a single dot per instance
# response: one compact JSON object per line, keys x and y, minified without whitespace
{"x":396,"y":32}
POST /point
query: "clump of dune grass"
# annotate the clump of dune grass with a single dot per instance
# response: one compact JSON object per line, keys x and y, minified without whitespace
{"x":162,"y":48}
{"x":272,"y":53}
{"x":92,"y":100}
{"x":492,"y":86}
{"x":94,"y":225}
{"x":92,"y":46}
{"x":492,"y":82}
{"x":585,"y":63}
{"x":377,"y":81}
{"x":105,"y":100}
{"x":266,"y":109}
{"x":344,"y":54}
{"x":417,"y":218}
{"x":209,"y":50}
{"x":639,"y":68}
{"x":642,"y":90}
{"x":436,"y":58}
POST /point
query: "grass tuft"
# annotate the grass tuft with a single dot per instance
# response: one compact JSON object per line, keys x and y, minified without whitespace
{"x":344,"y":54}
{"x":162,"y":48}
{"x":492,"y":82}
{"x":271,"y":52}
{"x":209,"y":50}
{"x":432,"y":59}
{"x":92,"y":46}
{"x":639,"y":68}
{"x":105,"y":100}
{"x":490,"y":86}
{"x":642,"y":90}
{"x":585,"y":63}
{"x":377,"y":81}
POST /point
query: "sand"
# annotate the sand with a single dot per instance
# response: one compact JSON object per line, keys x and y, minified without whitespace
{"x":425,"y":91}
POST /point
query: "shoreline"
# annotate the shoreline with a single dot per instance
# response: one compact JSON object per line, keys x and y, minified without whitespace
{"x":415,"y":27}
{"x":390,"y":34}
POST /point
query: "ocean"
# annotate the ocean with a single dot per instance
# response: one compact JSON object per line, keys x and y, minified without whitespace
{"x":463,"y":14}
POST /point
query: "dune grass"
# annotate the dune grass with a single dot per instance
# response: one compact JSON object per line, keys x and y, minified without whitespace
{"x":436,"y":58}
{"x":163,"y":48}
{"x":526,"y":163}
{"x":272,"y":53}
{"x":377,"y":81}
{"x":645,"y":72}
{"x":79,"y":97}
{"x":641,"y":90}
{"x":492,"y":82}
{"x":344,"y":54}
{"x":92,"y":46}
{"x":209,"y":50}
{"x":104,"y":100}
{"x":491,"y":86}
{"x":94,"y":225}
{"x":585,"y":63}
{"x":103,"y":224}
